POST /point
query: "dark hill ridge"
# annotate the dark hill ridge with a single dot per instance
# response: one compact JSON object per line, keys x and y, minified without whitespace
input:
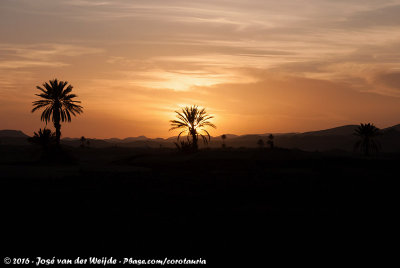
{"x":395,"y":127}
{"x":7,"y":133}
{"x":337,"y":138}
{"x":336,"y":131}
{"x":228,"y":136}
{"x":13,"y":137}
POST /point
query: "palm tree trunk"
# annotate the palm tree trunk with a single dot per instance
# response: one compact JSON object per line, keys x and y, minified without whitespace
{"x":194,"y":140}
{"x":367,"y":145}
{"x":57,"y":125}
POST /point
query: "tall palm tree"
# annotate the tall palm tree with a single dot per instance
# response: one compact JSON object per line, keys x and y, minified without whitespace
{"x":58,"y":104}
{"x":193,"y":121}
{"x":367,"y":142}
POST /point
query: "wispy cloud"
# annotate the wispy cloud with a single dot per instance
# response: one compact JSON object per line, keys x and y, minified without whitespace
{"x":29,"y":64}
{"x":87,"y":3}
{"x":41,"y":55}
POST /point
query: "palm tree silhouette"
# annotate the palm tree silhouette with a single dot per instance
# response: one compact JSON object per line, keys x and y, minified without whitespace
{"x":271,"y":141}
{"x":367,"y":134}
{"x":193,"y":120}
{"x":83,"y":140}
{"x":44,"y":137}
{"x":223,"y":137}
{"x":58,"y":104}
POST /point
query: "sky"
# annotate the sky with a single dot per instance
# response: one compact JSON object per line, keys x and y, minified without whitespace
{"x":258,"y":66}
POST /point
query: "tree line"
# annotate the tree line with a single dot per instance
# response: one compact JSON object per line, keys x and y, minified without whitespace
{"x":59,"y":105}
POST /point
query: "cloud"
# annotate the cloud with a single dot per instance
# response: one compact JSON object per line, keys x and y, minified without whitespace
{"x":182,"y":80}
{"x":391,"y":79}
{"x":41,"y":55}
{"x":29,"y":64}
{"x":46,"y":51}
{"x":86,"y":3}
{"x":379,"y":17}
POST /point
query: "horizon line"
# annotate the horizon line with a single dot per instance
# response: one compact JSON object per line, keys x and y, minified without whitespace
{"x":165,"y":138}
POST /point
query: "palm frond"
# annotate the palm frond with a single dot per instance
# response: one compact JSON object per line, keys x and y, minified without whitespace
{"x":179,"y":135}
{"x":367,"y":142}
{"x":54,"y":95}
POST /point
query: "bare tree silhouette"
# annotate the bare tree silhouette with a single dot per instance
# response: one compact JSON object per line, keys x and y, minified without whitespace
{"x":193,"y":121}
{"x":367,"y":142}
{"x":58,"y":104}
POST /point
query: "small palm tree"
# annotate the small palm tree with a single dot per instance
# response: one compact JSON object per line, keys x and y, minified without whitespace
{"x":223,"y":137}
{"x":193,"y":121}
{"x":58,"y":104}
{"x":271,"y":141}
{"x":83,"y":140}
{"x":367,"y":142}
{"x":44,"y":137}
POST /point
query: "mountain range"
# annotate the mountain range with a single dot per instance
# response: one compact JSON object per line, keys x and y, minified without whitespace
{"x":338,"y":138}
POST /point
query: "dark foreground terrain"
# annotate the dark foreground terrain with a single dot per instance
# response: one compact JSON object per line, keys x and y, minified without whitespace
{"x":159,"y":201}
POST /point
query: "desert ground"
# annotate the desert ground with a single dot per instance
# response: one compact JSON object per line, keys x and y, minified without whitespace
{"x":96,"y":198}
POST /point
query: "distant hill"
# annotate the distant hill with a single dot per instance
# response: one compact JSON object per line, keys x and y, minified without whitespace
{"x":96,"y":143}
{"x":337,"y":131}
{"x":127,"y":140}
{"x":337,"y":138}
{"x":12,"y":134}
{"x":13,"y":137}
{"x":228,"y":136}
{"x":396,"y":128}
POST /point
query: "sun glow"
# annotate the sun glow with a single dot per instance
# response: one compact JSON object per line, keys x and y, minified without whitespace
{"x":182,"y":80}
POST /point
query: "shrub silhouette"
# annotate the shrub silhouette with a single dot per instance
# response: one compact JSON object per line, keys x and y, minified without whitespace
{"x":184,"y":146}
{"x":193,"y":120}
{"x":367,"y":142}
{"x":44,"y":137}
{"x":58,"y":104}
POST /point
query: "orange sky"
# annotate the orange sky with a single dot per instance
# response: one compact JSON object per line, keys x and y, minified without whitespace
{"x":259,"y":66}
